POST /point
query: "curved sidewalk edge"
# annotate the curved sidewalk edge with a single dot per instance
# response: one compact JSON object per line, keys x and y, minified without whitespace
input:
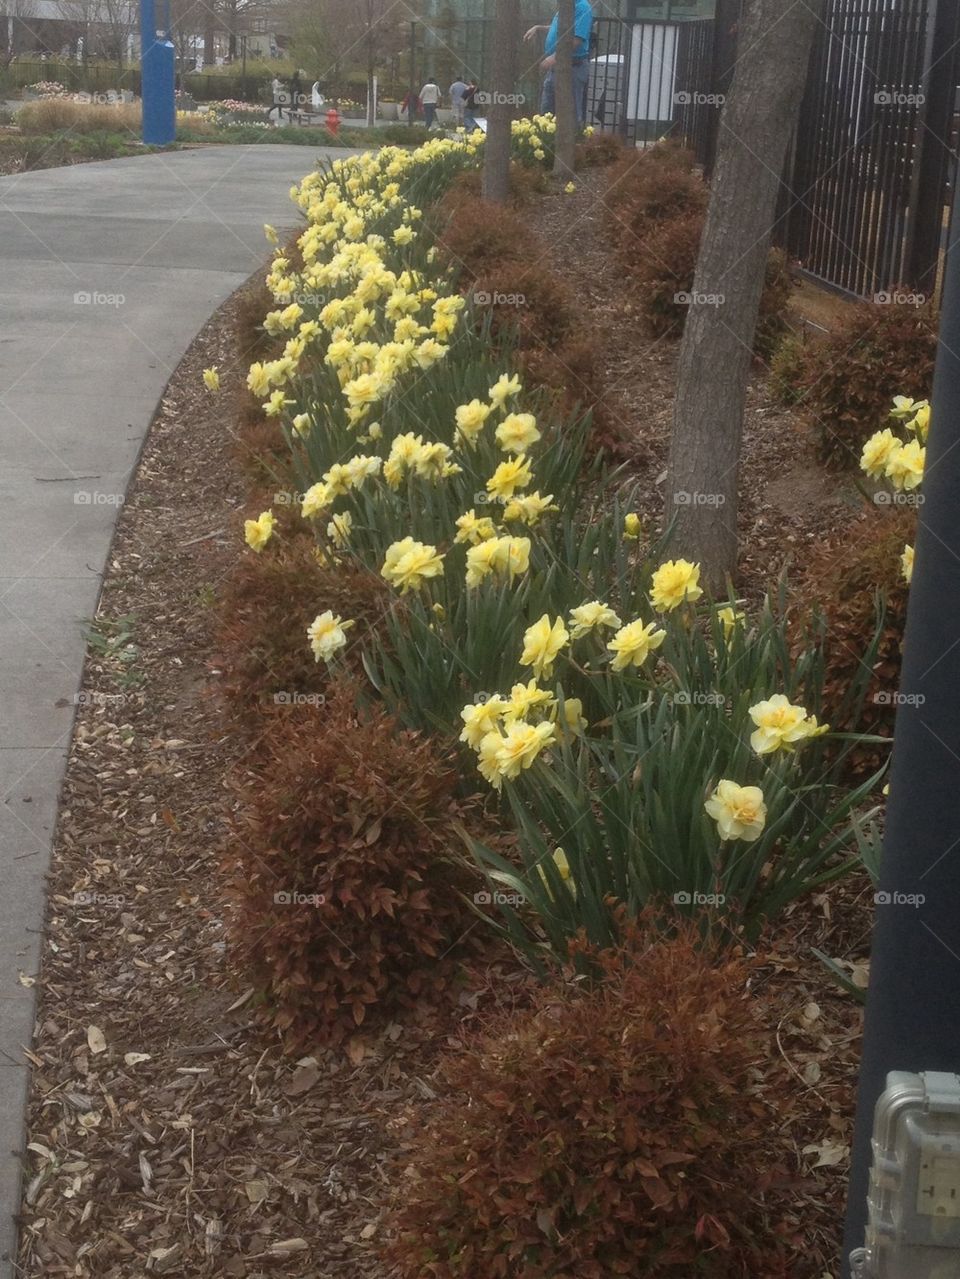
{"x":107,"y":272}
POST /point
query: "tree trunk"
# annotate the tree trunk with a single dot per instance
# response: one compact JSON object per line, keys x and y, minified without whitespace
{"x":565,"y":141}
{"x":716,"y":353}
{"x":496,"y":164}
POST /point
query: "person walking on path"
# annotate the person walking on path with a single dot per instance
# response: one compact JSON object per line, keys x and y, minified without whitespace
{"x":458,"y":91}
{"x":582,"y":30}
{"x":470,"y":107}
{"x":430,"y":97}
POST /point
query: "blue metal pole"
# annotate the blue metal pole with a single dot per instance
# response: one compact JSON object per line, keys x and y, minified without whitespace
{"x":157,"y":74}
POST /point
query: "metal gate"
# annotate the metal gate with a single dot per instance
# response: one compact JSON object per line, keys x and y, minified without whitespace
{"x":650,"y":79}
{"x":872,"y":159}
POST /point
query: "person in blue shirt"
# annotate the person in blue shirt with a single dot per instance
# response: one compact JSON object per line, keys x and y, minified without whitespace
{"x":582,"y":27}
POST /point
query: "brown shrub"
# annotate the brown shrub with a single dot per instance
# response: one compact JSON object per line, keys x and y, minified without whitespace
{"x":844,"y":576}
{"x":267,"y":603}
{"x":600,"y":149}
{"x":609,"y":1131}
{"x":251,"y":306}
{"x":52,"y":115}
{"x":476,"y":236}
{"x":664,"y":263}
{"x":644,"y":190}
{"x":345,"y":807}
{"x":258,"y":445}
{"x":846,"y":381}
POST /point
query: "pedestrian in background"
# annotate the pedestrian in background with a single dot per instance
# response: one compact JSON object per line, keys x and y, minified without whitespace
{"x":458,"y":91}
{"x":430,"y":97}
{"x":582,"y":31}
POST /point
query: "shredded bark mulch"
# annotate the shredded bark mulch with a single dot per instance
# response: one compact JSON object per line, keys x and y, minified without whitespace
{"x":168,"y":1132}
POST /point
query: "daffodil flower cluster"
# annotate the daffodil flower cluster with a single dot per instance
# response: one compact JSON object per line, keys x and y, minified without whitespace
{"x":901,"y":461}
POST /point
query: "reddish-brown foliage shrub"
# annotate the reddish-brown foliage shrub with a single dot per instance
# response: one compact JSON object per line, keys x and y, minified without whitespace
{"x":600,"y":149}
{"x":844,"y":576}
{"x":847,"y":381}
{"x":251,"y":305}
{"x":477,"y":236}
{"x":615,"y":1130}
{"x":664,"y":263}
{"x":643,"y":192}
{"x":344,"y":807}
{"x":266,"y":605}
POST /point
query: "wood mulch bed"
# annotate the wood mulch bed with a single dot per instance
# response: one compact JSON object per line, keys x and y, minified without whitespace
{"x":168,"y":1133}
{"x":787,"y":501}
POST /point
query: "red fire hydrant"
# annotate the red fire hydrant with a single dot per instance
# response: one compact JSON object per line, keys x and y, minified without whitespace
{"x":333,"y":121}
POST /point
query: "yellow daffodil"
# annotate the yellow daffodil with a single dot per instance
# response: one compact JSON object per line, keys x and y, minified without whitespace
{"x":502,"y":390}
{"x":473,"y":528}
{"x":906,"y":563}
{"x":326,"y":635}
{"x":542,"y":642}
{"x":409,"y":563}
{"x":729,"y":618}
{"x":781,"y":724}
{"x":529,"y":508}
{"x":877,"y":452}
{"x":339,"y":529}
{"x":257,"y":533}
{"x":905,"y":466}
{"x":633,"y":644}
{"x":510,"y":476}
{"x":520,"y":746}
{"x":517,"y":433}
{"x":587,"y":617}
{"x":470,"y":419}
{"x":211,"y":379}
{"x":739,"y":811}
{"x":632,"y":528}
{"x":525,"y":698}
{"x":481,"y":718}
{"x":315,"y":501}
{"x":674,"y":582}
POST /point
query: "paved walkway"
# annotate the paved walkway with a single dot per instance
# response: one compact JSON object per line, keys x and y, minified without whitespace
{"x":107,"y":272}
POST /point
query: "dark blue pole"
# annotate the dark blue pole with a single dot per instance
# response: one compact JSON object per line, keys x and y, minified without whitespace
{"x":157,"y":73}
{"x":913,"y":1005}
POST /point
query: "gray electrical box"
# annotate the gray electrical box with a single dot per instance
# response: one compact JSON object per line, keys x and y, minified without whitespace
{"x":913,"y":1230}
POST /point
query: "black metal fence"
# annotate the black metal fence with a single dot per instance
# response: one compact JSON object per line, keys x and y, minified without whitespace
{"x":650,"y":79}
{"x":869,"y":185}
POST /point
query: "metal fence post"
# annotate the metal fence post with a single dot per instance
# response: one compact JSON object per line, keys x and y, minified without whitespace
{"x":931,"y":169}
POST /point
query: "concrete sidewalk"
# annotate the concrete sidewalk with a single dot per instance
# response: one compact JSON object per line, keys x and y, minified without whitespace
{"x":107,"y":272}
